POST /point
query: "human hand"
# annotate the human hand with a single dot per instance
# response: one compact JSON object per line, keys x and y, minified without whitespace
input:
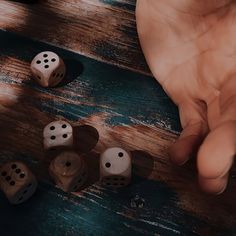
{"x":190,"y":47}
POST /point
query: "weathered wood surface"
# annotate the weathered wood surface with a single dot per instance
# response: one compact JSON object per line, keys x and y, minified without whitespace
{"x":125,"y":108}
{"x":101,"y":29}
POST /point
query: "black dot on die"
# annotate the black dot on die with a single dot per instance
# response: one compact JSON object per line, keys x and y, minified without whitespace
{"x":18,"y":171}
{"x":22,"y":176}
{"x":53,"y":137}
{"x":108,"y":164}
{"x":53,"y":59}
{"x":52,"y":149}
{"x":64,"y":126}
{"x":68,"y":164}
{"x":29,"y":185}
{"x":120,"y":154}
{"x":13,"y":166}
{"x":62,"y":75}
{"x":38,"y":62}
{"x":46,"y":66}
{"x":52,"y":127}
{"x":46,"y":60}
{"x":25,"y":192}
{"x":12,"y":183}
{"x":64,"y":135}
{"x":45,"y":55}
{"x":21,"y":198}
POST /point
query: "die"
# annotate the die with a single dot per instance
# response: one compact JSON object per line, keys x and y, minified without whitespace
{"x":115,"y":167}
{"x":48,"y":69}
{"x":69,"y":171}
{"x":17,"y":182}
{"x":57,"y":135}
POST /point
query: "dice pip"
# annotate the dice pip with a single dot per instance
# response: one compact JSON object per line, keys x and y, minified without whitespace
{"x":115,"y":167}
{"x":17,"y":182}
{"x":57,"y":135}
{"x":69,"y":171}
{"x":48,"y":69}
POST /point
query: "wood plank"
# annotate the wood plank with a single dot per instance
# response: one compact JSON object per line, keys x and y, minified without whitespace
{"x":101,"y":212}
{"x":100,"y":29}
{"x":127,"y":109}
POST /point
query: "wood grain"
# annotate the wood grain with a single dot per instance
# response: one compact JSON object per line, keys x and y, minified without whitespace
{"x":100,"y":29}
{"x":127,"y":109}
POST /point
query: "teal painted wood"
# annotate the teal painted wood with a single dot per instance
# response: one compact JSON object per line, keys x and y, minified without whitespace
{"x":132,"y":99}
{"x":135,"y":98}
{"x":101,"y":211}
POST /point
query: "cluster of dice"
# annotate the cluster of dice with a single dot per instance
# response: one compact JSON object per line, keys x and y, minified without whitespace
{"x":68,"y":169}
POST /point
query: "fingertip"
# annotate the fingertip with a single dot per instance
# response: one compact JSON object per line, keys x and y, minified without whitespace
{"x":177,"y":154}
{"x":216,"y":154}
{"x":184,"y":148}
{"x":213,"y":186}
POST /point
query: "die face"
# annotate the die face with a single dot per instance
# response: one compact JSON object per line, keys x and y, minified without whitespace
{"x":25,"y":192}
{"x":58,"y":134}
{"x":67,"y":164}
{"x":45,"y":67}
{"x":78,"y":181}
{"x":58,"y":74}
{"x":69,"y":171}
{"x":115,"y":167}
{"x":39,"y":77}
{"x":73,"y":183}
{"x":115,"y":181}
{"x":115,"y":161}
{"x":46,"y":62}
{"x":13,"y":174}
{"x":17,"y":182}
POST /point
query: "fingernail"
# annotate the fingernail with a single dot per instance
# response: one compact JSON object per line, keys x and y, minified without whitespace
{"x":222,"y":190}
{"x":182,"y":163}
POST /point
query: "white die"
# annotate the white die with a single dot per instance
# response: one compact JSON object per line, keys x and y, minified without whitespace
{"x":69,"y":171}
{"x":17,"y":182}
{"x":115,"y":167}
{"x":58,"y":134}
{"x":48,"y":69}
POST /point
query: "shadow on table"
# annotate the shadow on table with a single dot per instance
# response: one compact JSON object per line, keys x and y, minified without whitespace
{"x":143,"y":163}
{"x":74,"y":69}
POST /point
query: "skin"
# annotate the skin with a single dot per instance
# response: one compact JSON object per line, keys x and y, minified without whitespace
{"x":190,"y":47}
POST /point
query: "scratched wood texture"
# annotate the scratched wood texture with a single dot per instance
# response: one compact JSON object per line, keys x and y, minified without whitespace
{"x":108,"y":106}
{"x":101,"y":29}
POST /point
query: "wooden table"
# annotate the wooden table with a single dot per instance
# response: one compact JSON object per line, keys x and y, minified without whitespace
{"x":111,"y":99}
